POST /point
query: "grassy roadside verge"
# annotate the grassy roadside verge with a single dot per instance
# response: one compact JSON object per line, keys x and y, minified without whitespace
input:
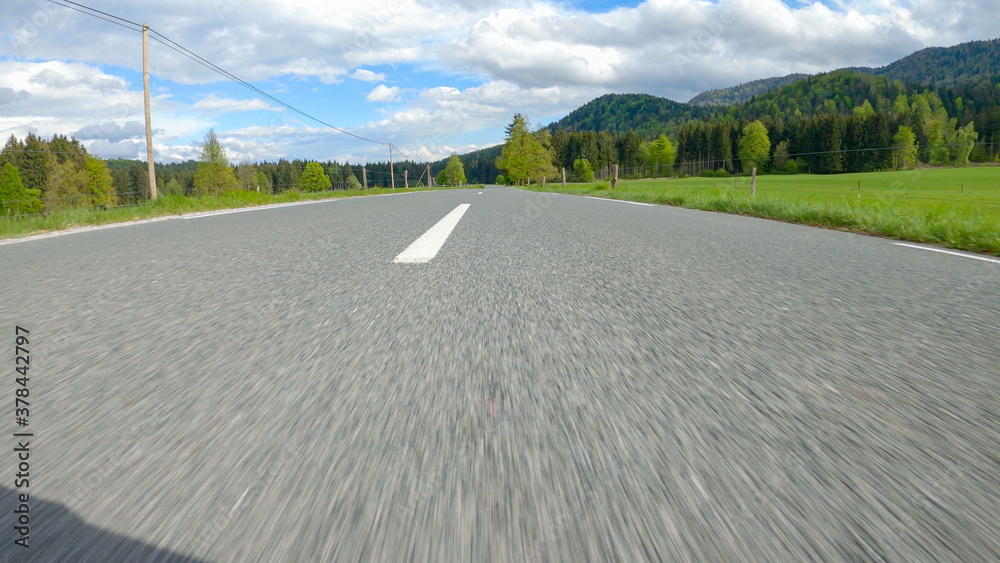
{"x":167,"y":205}
{"x":953,"y":208}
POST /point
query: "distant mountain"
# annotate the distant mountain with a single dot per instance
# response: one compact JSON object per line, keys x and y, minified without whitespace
{"x":976,"y":61}
{"x":647,"y":115}
{"x":744,"y":92}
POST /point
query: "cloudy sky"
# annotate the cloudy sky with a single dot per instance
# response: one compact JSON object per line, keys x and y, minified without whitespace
{"x":431,"y":76}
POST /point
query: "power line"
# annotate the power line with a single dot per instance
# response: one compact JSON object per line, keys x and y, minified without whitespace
{"x":166,"y":41}
{"x":137,"y":27}
{"x":100,"y":12}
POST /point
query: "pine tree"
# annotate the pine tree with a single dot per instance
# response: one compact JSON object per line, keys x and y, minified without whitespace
{"x":314,"y":179}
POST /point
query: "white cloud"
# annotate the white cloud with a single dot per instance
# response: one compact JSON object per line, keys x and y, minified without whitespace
{"x":368,"y":76}
{"x":382,"y":93}
{"x":226,"y":105}
{"x":103,"y":111}
{"x":540,"y":58}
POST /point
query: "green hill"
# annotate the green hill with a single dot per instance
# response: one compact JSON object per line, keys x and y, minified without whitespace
{"x":975,"y":61}
{"x":480,"y":166}
{"x":744,"y":92}
{"x":645,"y":114}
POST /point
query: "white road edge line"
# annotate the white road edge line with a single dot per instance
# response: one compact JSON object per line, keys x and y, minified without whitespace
{"x":425,"y":248}
{"x":620,"y":201}
{"x":195,"y":215}
{"x":962,"y":254}
{"x":76,"y":230}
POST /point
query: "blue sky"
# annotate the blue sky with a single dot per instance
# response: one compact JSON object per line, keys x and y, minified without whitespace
{"x":431,"y":76}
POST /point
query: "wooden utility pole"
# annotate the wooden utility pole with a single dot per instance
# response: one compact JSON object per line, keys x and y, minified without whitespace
{"x":149,"y":122}
{"x":430,"y":180}
{"x":753,"y":183}
{"x":392,"y":173}
{"x":364,"y":176}
{"x":564,"y":176}
{"x":614,"y":176}
{"x":406,"y":178}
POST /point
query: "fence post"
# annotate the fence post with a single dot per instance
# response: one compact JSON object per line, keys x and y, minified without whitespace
{"x":614,"y":176}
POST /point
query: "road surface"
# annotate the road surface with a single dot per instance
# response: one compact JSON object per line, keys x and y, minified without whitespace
{"x":564,"y":379}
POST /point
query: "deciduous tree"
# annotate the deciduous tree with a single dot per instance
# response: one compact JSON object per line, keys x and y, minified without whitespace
{"x":662,"y":155}
{"x":904,"y":154}
{"x":965,"y":141}
{"x":67,"y":185}
{"x":582,"y":171}
{"x":454,"y":172}
{"x":214,"y":175}
{"x":102,"y":189}
{"x":755,"y":147}
{"x":524,"y":155}
{"x":15,"y":199}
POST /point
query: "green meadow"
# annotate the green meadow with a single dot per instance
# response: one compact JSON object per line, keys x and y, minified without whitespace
{"x":952,"y":207}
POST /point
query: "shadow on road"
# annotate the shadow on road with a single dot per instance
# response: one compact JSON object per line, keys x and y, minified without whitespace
{"x":57,"y":534}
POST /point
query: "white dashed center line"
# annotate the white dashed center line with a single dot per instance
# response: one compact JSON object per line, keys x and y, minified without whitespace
{"x":425,"y":248}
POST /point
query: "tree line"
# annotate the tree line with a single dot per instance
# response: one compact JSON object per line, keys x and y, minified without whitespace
{"x":840,"y":122}
{"x":39,"y":175}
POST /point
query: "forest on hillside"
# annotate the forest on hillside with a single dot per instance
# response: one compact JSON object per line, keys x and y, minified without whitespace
{"x":744,"y":92}
{"x":975,"y":61}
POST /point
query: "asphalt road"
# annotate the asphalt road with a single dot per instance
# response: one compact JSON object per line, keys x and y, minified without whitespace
{"x":569,"y":379}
